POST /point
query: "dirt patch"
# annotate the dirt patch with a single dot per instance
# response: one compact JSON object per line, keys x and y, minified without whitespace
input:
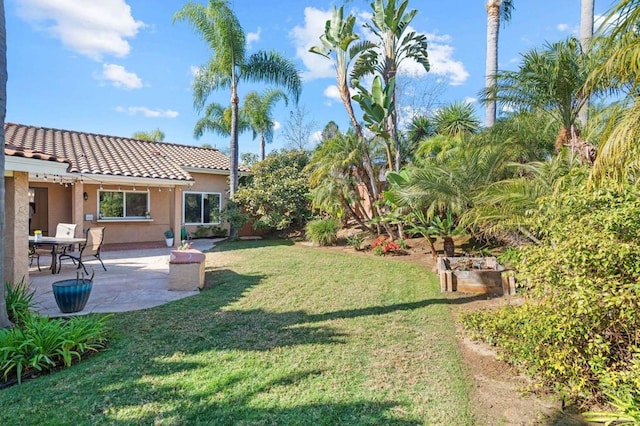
{"x":500,"y":395}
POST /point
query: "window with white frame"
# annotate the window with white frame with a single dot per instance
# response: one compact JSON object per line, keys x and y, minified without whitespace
{"x":200,"y":208}
{"x":123,"y":204}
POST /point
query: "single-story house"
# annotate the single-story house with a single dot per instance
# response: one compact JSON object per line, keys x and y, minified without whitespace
{"x":136,"y":189}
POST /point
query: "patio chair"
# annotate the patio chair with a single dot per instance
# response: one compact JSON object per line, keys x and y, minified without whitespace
{"x":91,"y":248}
{"x":63,"y":230}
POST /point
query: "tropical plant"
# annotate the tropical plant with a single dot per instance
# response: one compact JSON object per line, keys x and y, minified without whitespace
{"x":19,"y":300}
{"x":395,"y":43}
{"x":336,"y":169}
{"x":156,"y":135}
{"x":356,"y":240}
{"x":445,"y":227}
{"x":456,"y":119}
{"x":497,"y":10}
{"x":217,"y":119}
{"x":257,"y":110}
{"x":4,"y":319}
{"x":618,"y":154}
{"x":551,"y":80}
{"x":229,"y":64}
{"x":323,"y":231}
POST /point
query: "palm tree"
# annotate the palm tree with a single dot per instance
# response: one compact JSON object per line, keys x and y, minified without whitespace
{"x":551,"y":80}
{"x":396,"y":43}
{"x":229,"y":64}
{"x":338,"y":45}
{"x":217,"y":119}
{"x":4,"y":318}
{"x":497,"y":10}
{"x":257,"y":111}
{"x":586,"y":33}
{"x":156,"y":135}
{"x":618,"y":155}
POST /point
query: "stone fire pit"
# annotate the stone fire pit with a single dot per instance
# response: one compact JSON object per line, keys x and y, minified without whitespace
{"x":480,"y":275}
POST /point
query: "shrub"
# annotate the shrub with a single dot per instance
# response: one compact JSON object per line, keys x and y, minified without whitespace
{"x":580,"y":326}
{"x":19,"y":301}
{"x":323,"y":231}
{"x":383,"y":245}
{"x":41,"y":343}
{"x":356,"y":241}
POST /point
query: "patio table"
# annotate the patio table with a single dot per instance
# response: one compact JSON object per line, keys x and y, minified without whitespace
{"x":54,"y":242}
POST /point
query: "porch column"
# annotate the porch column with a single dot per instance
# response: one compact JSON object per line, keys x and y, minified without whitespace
{"x":176,"y":216}
{"x":77,"y":209}
{"x":16,"y":260}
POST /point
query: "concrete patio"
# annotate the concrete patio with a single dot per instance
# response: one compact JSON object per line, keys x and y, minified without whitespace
{"x":134,"y":279}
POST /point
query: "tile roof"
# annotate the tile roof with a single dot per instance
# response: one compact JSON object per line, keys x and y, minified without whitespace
{"x":90,"y":153}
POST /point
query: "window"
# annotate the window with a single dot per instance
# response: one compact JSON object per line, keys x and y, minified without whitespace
{"x":201,"y":208}
{"x":123,"y":204}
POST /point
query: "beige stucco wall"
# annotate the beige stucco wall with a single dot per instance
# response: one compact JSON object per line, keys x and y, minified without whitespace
{"x":67,"y":205}
{"x":16,"y":201}
{"x":208,"y":183}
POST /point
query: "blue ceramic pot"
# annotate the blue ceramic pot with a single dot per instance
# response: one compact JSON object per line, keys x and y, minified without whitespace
{"x":72,"y":295}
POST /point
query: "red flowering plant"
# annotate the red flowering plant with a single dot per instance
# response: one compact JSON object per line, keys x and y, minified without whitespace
{"x":383,"y":245}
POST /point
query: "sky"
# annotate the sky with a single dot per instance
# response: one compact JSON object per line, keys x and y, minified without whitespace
{"x":116,"y":67}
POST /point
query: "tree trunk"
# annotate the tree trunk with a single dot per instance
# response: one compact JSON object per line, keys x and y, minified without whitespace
{"x":586,"y":32}
{"x":262,"y":147}
{"x":449,"y":247}
{"x":491,"y":67}
{"x":4,"y":318}
{"x":233,"y":152}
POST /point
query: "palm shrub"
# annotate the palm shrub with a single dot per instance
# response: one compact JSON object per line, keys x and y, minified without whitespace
{"x":323,"y":231}
{"x":579,"y":328}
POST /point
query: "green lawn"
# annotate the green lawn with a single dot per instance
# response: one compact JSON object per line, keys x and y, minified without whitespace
{"x":280,"y":335}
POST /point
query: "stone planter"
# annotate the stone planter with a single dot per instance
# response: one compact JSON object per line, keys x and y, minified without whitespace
{"x":186,"y":270}
{"x":72,"y":295}
{"x":479,"y":275}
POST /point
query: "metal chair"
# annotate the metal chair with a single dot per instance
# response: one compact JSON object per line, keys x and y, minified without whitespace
{"x":63,"y":230}
{"x":91,"y":248}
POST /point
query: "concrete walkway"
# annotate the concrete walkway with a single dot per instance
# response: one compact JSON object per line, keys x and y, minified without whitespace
{"x":134,"y":279}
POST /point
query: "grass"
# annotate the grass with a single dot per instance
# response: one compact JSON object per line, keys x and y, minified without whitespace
{"x":280,"y":335}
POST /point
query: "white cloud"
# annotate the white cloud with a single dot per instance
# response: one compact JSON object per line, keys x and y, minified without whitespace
{"x":601,"y":26}
{"x":147,"y":112}
{"x":307,"y":36}
{"x":316,"y":137}
{"x":91,"y":28}
{"x":119,"y":77}
{"x":470,"y":100}
{"x":253,"y":37}
{"x":276,"y":125}
{"x":442,"y":62}
{"x":566,"y":28}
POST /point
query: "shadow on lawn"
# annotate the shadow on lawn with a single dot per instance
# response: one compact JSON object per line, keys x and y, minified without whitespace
{"x":232,"y":401}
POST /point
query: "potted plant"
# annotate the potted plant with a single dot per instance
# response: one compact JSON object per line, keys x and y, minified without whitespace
{"x":168,"y":237}
{"x":72,"y":295}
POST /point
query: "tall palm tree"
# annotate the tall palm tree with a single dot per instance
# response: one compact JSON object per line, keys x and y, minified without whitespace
{"x":257,"y":111}
{"x":586,"y":33}
{"x":217,"y":119}
{"x":497,"y":10}
{"x":4,"y":318}
{"x":229,"y":64}
{"x":395,"y":43}
{"x":339,"y":44}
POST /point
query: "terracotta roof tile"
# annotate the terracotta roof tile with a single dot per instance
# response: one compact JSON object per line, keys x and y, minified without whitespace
{"x":90,"y":153}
